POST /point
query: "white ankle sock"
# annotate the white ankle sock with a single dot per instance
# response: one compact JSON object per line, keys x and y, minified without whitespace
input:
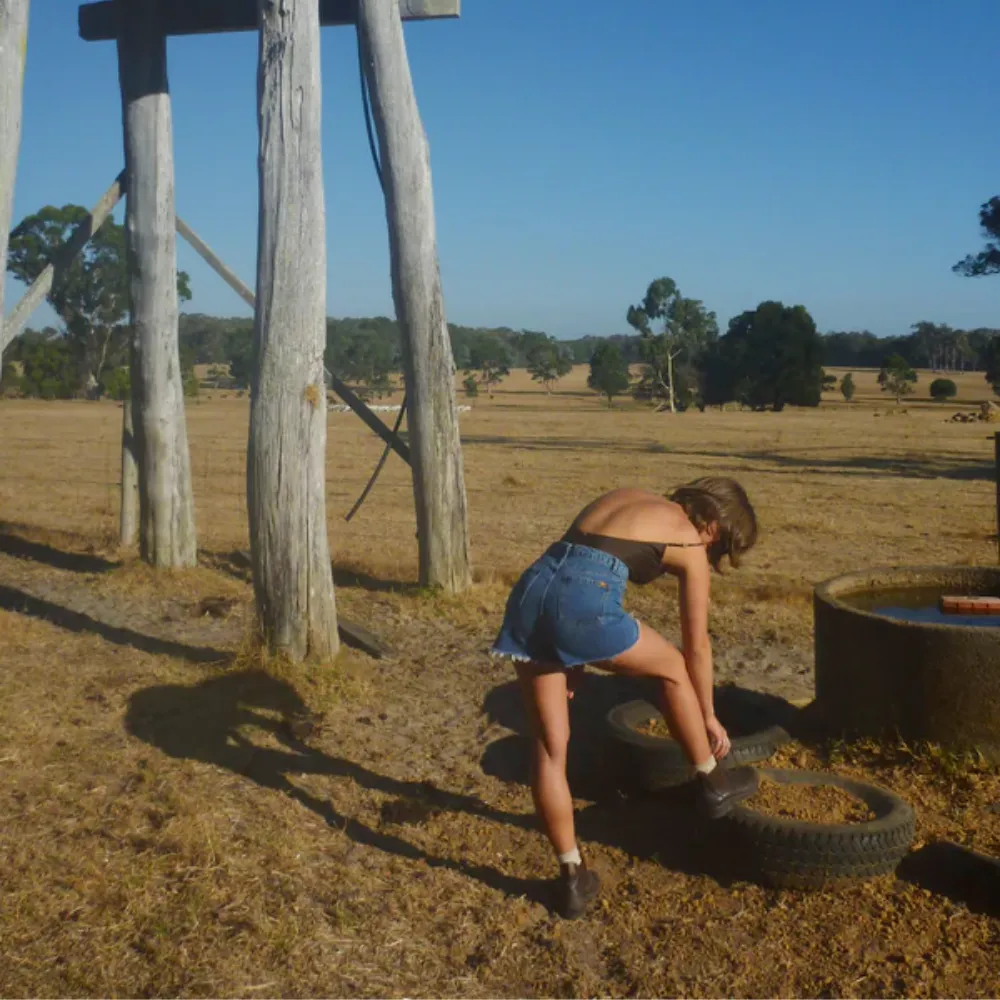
{"x":707,"y":767}
{"x":571,"y":857}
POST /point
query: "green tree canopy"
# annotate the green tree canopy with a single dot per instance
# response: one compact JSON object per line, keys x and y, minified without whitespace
{"x":547,"y":361}
{"x":609,"y":374}
{"x":992,"y":360}
{"x":686,"y":330}
{"x":942,"y":389}
{"x":847,"y":387}
{"x":90,"y":296}
{"x":896,"y":376}
{"x":769,"y":357}
{"x":987,"y":261}
{"x":490,"y":357}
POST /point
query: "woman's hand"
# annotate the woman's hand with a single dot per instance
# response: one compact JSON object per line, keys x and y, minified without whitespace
{"x":718,"y":738}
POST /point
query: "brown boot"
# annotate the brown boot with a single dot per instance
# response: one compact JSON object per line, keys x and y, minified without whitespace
{"x":720,"y":790}
{"x":576,"y":889}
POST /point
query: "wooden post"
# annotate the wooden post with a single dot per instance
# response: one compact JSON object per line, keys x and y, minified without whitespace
{"x":436,"y":449}
{"x":64,"y":257}
{"x":13,"y":45}
{"x":128,"y":524}
{"x":996,"y":462}
{"x":286,"y":459}
{"x":166,"y":505}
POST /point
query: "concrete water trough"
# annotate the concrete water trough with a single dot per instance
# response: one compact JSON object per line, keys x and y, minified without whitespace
{"x":890,"y":663}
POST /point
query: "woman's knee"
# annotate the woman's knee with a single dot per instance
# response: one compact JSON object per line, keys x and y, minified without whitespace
{"x":552,"y":743}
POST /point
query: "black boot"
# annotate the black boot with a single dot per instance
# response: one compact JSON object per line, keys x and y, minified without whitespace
{"x":576,"y":889}
{"x":720,"y":790}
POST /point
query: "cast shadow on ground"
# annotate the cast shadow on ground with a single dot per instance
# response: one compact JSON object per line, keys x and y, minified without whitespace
{"x":661,"y":825}
{"x":962,"y":875}
{"x":773,"y":462}
{"x":20,"y":602}
{"x":203,"y":722}
{"x":12,"y":544}
{"x":237,"y":564}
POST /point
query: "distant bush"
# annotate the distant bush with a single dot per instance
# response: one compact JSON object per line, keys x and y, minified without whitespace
{"x":943,"y":389}
{"x":49,"y":372}
{"x":116,"y":383}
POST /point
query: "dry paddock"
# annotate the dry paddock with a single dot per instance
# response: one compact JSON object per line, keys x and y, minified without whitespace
{"x":163,"y":832}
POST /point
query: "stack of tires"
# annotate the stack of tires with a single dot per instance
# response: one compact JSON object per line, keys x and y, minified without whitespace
{"x":775,"y":850}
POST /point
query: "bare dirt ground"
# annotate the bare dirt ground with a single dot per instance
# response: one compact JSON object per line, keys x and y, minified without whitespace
{"x":165,"y":831}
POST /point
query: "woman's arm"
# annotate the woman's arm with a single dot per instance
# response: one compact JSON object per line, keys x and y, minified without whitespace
{"x":694,"y":577}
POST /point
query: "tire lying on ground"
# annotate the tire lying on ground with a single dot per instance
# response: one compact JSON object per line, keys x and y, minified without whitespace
{"x":792,"y":853}
{"x":649,"y":762}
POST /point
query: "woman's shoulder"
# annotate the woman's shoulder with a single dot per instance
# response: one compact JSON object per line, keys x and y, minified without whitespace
{"x":637,"y":514}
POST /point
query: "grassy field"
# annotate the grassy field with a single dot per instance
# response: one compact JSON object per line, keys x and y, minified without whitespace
{"x":162,"y":833}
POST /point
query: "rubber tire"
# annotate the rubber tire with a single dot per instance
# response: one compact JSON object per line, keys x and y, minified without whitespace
{"x":654,"y":762}
{"x":791,"y":853}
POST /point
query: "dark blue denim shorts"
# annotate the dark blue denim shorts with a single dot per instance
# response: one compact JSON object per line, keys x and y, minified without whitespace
{"x":567,"y":609}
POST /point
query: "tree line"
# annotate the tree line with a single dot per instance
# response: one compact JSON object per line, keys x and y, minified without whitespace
{"x":768,"y":357}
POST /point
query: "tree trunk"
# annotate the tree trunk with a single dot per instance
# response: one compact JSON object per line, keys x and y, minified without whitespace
{"x":436,"y":448}
{"x":128,"y":524}
{"x":13,"y":45}
{"x":166,"y":506}
{"x":670,"y":380}
{"x":286,"y":460}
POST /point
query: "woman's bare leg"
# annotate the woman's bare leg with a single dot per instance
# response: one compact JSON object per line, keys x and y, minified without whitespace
{"x":653,"y":656}
{"x":544,"y":691}
{"x":545,"y":695}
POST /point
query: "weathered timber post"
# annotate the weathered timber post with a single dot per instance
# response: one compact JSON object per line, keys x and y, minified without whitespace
{"x":286,"y":459}
{"x":128,"y":522}
{"x":13,"y":45}
{"x":436,"y":448}
{"x":166,"y":505}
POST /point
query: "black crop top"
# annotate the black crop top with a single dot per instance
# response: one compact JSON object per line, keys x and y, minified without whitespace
{"x":643,"y":559}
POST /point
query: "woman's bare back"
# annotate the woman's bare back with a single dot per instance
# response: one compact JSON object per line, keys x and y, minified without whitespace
{"x":637,"y":515}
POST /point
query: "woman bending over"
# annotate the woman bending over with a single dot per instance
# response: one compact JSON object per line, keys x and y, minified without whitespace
{"x":566,"y":611}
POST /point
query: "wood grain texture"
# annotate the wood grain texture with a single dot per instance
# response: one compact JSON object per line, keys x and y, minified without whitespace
{"x":435,"y":444}
{"x":13,"y":46}
{"x":286,"y":483}
{"x":198,"y":17}
{"x":167,"y":537}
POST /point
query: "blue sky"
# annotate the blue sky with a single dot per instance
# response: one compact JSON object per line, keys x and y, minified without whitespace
{"x":827,"y":153}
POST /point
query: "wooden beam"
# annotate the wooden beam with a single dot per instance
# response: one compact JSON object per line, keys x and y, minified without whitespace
{"x":286,"y":457}
{"x":339,"y":387}
{"x":215,"y":263}
{"x":438,"y":473}
{"x":13,"y":45}
{"x":198,"y":17}
{"x":62,"y":259}
{"x":167,"y":537}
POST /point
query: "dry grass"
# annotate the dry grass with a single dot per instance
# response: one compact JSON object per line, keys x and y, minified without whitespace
{"x":164,"y":831}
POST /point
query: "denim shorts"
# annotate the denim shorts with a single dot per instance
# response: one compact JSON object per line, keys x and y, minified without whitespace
{"x":567,"y":609}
